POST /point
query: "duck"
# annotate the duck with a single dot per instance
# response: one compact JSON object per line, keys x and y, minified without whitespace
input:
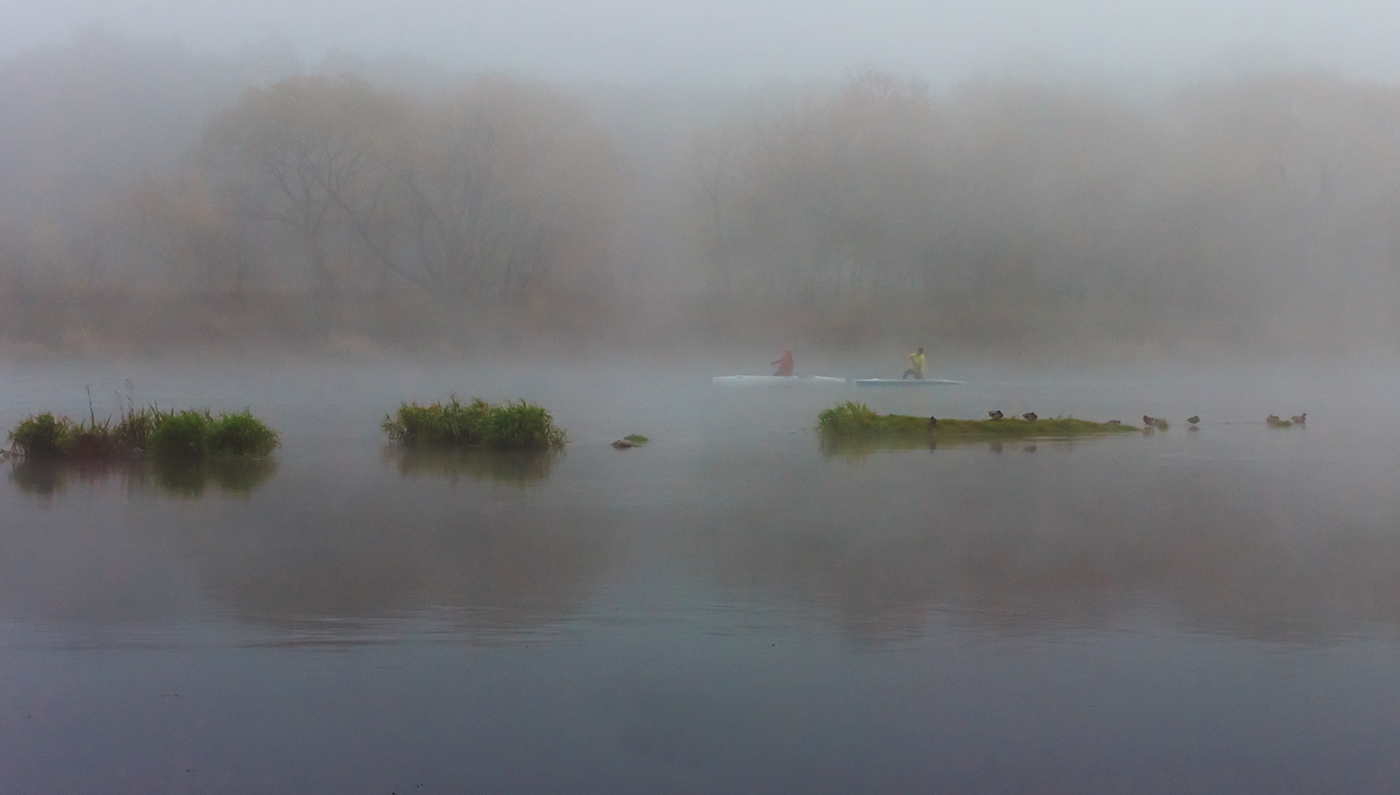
{"x":1030,"y":416}
{"x":1301,"y":419}
{"x":996,"y":414}
{"x":623,"y":444}
{"x":932,"y":421}
{"x":1194,"y":420}
{"x":1148,"y":421}
{"x":1272,"y":419}
{"x":1115,"y":422}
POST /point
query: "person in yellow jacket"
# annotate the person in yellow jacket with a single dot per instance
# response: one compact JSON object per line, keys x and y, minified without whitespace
{"x":916,"y":365}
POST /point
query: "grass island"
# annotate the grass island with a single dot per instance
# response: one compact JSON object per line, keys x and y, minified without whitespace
{"x":166,"y":434}
{"x":852,"y":419}
{"x":507,"y":426}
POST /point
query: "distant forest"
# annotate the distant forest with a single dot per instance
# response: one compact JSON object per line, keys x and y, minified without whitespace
{"x":153,"y":198}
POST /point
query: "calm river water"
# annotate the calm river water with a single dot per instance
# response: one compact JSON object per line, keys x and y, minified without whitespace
{"x":731,"y":609}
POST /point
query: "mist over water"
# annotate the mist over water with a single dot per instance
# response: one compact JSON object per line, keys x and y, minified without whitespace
{"x":735,"y":605}
{"x":1081,"y":211}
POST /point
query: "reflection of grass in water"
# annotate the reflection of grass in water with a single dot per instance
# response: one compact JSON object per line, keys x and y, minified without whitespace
{"x":232,"y":474}
{"x":857,"y":447}
{"x":46,"y":475}
{"x":184,"y":478}
{"x":506,"y":466}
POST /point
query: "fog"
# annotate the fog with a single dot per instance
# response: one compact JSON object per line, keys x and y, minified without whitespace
{"x":636,"y":40}
{"x":1024,"y":177}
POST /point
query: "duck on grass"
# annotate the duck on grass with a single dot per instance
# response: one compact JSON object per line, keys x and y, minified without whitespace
{"x":508,"y":426}
{"x":858,"y":419}
{"x":169,"y":434}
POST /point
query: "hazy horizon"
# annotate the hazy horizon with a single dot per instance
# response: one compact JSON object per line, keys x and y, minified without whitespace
{"x":632,"y":41}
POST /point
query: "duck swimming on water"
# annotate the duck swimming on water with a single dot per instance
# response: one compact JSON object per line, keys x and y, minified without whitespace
{"x":1301,"y":419}
{"x":1194,"y":420}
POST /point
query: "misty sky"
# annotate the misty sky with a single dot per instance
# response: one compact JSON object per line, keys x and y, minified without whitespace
{"x":646,"y":40}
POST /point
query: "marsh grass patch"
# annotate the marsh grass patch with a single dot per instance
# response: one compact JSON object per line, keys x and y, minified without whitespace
{"x":507,"y":426}
{"x":181,"y":434}
{"x":850,"y":419}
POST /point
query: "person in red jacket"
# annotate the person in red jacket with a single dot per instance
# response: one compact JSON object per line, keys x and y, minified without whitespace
{"x":784,"y":363}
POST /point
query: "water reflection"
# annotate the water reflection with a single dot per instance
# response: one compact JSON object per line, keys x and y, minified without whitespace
{"x":488,"y":564}
{"x":232,"y":475}
{"x":1027,"y":543}
{"x":503,"y":466}
{"x":857,"y":448}
{"x":180,"y":477}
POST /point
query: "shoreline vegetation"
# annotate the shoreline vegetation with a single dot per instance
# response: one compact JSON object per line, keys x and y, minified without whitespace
{"x":851,"y":419}
{"x":170,"y":435}
{"x":506,"y":426}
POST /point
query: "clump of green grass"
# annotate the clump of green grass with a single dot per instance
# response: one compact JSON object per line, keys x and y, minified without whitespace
{"x":48,"y":436}
{"x":40,"y":435}
{"x":183,"y":434}
{"x":241,"y":434}
{"x":196,"y":434}
{"x":133,"y":430}
{"x":636,"y":438}
{"x":857,"y":419}
{"x":848,"y":417}
{"x":507,"y":426}
{"x":521,"y":425}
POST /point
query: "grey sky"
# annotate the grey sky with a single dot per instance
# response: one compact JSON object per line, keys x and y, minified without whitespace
{"x":643,"y":40}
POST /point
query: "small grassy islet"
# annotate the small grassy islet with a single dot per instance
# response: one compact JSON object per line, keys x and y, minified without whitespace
{"x":508,"y":426}
{"x":858,"y":419}
{"x":170,"y":434}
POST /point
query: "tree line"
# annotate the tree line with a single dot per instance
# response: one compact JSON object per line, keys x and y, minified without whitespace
{"x":1259,"y":206}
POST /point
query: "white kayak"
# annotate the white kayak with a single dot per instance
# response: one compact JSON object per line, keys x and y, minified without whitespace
{"x":777,"y":379}
{"x":905,"y":382}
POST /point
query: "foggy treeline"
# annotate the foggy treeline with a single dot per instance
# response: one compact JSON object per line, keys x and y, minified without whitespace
{"x":150,"y":196}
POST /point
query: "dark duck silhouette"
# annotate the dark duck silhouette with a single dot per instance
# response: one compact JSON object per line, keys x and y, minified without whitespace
{"x":1148,"y":421}
{"x":996,"y":415}
{"x":932,"y":421}
{"x":1194,"y":420}
{"x":1030,"y":416}
{"x":1301,"y":419}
